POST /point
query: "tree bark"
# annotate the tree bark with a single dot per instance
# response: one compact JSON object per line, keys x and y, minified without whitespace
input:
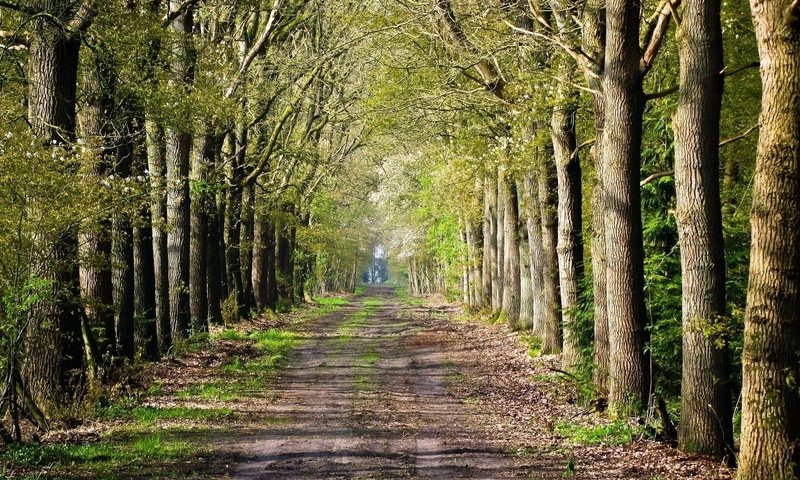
{"x":501,"y":243}
{"x":178,"y":153}
{"x":202,"y":160}
{"x":547,"y":186}
{"x":156,"y":163}
{"x":535,"y":252}
{"x":624,"y":106}
{"x":489,"y":239}
{"x":122,"y":266}
{"x":706,"y":416}
{"x":511,"y":271}
{"x":770,"y":396}
{"x":593,"y":43}
{"x":570,"y":222}
{"x":54,"y":329}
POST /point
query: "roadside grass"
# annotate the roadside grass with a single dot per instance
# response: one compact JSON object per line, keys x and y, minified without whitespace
{"x":244,"y":378}
{"x":148,"y":455}
{"x":150,"y":415}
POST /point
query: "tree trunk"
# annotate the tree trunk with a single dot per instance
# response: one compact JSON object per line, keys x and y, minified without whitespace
{"x":156,"y":163}
{"x":511,"y":271}
{"x":770,"y":395}
{"x":570,"y":222}
{"x":624,"y":97}
{"x":489,"y":240}
{"x":55,"y":325}
{"x":497,"y":290}
{"x":262,"y":250}
{"x":526,"y":286}
{"x":706,"y":417}
{"x":202,"y":160}
{"x":122,"y":268}
{"x":246,"y":245}
{"x":178,"y":154}
{"x":593,"y":43}
{"x":476,"y":286}
{"x":144,"y":292}
{"x":95,"y":235}
{"x":535,"y":253}
{"x":547,"y":188}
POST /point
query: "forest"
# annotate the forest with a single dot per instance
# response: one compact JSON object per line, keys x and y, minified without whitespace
{"x":614,"y":183}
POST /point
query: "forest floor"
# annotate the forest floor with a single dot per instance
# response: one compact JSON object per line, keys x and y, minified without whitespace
{"x":374,"y":386}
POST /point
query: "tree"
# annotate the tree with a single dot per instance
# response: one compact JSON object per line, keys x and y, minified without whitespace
{"x":53,"y":69}
{"x":706,"y":416}
{"x":770,"y":397}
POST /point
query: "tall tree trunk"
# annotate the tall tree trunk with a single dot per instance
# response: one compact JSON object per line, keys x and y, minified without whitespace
{"x":233,"y":215}
{"x":178,"y":154}
{"x":156,"y":164}
{"x":215,"y":249}
{"x":535,"y":252}
{"x":473,"y":248}
{"x":262,"y":250}
{"x":570,"y":222}
{"x":246,"y":245}
{"x":511,"y":271}
{"x":501,"y":240}
{"x":95,"y":235}
{"x":202,"y":160}
{"x":122,"y":265}
{"x":593,"y":43}
{"x":526,"y":284}
{"x":624,"y":105}
{"x":54,"y":328}
{"x":144,"y":281}
{"x":770,"y":395}
{"x":706,"y":417}
{"x":489,"y":239}
{"x":547,"y":188}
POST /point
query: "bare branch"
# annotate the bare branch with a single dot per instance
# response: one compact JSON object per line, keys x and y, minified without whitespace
{"x":741,"y":136}
{"x":652,"y":178}
{"x":658,"y":33}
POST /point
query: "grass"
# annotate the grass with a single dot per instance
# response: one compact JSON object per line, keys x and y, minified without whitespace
{"x":149,"y":415}
{"x":615,"y":433}
{"x":105,"y":458}
{"x":245,"y":378}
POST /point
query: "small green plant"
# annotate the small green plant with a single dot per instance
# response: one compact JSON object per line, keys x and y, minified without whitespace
{"x":615,"y":433}
{"x":193,"y":344}
{"x":230,"y":310}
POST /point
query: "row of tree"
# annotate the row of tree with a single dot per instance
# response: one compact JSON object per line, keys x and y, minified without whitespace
{"x":167,"y":165}
{"x":516,"y":88}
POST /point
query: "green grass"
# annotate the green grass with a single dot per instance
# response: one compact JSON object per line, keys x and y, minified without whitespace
{"x":104,"y":458}
{"x":148,"y":415}
{"x":246,"y":377}
{"x":534,"y":344}
{"x":616,"y":433}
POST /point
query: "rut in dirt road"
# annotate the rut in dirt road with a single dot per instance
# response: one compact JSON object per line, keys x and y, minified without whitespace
{"x":367,"y":396}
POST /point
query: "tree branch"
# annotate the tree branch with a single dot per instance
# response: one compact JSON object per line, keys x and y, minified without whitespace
{"x":652,"y":178}
{"x":580,"y":147}
{"x":487,"y":70}
{"x":658,"y":33}
{"x":741,"y":136}
{"x":727,"y":73}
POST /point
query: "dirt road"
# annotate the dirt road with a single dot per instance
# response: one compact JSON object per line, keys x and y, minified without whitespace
{"x":369,"y":395}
